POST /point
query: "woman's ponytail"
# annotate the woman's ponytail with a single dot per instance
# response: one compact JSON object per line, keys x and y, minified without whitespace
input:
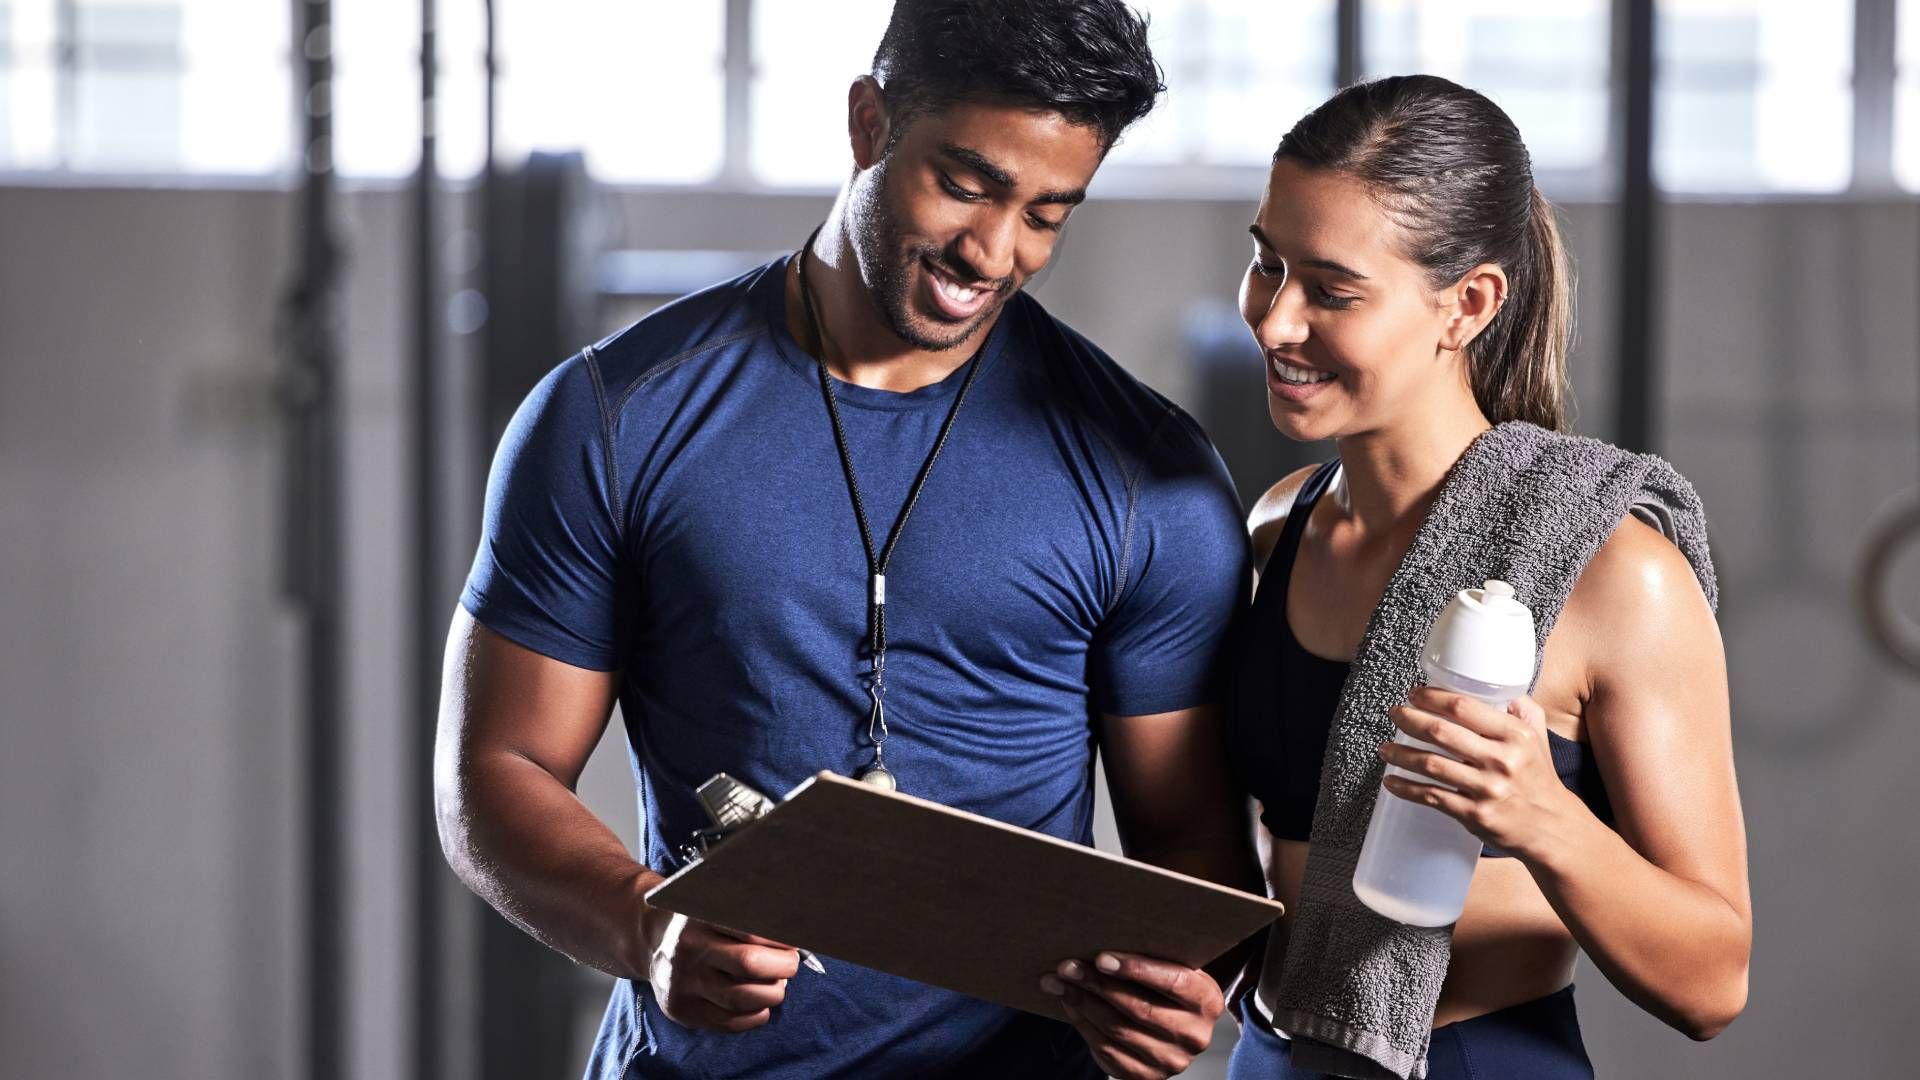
{"x":1518,"y":366}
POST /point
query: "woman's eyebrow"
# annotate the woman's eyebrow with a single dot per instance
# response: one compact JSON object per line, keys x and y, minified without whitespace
{"x":1317,"y":262}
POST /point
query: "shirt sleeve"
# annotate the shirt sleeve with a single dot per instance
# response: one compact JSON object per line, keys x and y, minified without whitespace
{"x":548,"y":573}
{"x":1163,"y":645}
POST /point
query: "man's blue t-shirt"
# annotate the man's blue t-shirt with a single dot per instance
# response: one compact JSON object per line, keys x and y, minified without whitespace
{"x":670,"y":504}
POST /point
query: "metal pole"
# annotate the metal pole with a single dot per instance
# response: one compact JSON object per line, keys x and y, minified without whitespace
{"x":309,"y":327}
{"x":429,"y":605}
{"x":1349,"y":61}
{"x":737,"y":61}
{"x":66,"y":87}
{"x":1637,"y":389}
{"x":1875,"y":71}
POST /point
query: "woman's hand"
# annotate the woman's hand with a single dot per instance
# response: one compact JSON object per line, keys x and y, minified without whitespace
{"x":1505,"y":790}
{"x":1144,"y":1019}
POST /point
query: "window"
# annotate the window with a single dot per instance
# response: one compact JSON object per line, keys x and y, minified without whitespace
{"x":803,"y":63}
{"x":1546,"y":66}
{"x":6,"y":72}
{"x":1906,"y":100}
{"x":376,"y":90}
{"x":144,"y":85}
{"x":1238,"y":73}
{"x":234,"y":91}
{"x":26,"y":85}
{"x":637,"y":87}
{"x":207,"y":86}
{"x":128,"y":73}
{"x":1753,"y":95}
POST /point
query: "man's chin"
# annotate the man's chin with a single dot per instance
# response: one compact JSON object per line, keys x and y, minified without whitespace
{"x":937,"y":334}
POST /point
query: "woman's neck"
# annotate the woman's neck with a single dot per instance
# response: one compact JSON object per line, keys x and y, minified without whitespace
{"x":1391,"y":476}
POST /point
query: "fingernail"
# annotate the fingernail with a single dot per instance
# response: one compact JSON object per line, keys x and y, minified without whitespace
{"x":1070,"y":969}
{"x":1107,"y":962}
{"x":1052,"y":985}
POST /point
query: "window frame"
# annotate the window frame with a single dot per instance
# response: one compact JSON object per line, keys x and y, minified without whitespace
{"x":1871,"y":170}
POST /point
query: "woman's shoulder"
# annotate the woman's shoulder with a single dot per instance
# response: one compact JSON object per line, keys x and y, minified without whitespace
{"x":1270,"y":511}
{"x":1639,"y":593}
{"x":1637,"y":565}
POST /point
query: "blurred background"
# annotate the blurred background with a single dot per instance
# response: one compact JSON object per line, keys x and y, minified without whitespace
{"x":270,"y":286}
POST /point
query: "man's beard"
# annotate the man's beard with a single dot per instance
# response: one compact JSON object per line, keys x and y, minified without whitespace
{"x":886,"y":267}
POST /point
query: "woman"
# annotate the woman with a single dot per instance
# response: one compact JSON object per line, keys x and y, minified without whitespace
{"x":1409,"y":291}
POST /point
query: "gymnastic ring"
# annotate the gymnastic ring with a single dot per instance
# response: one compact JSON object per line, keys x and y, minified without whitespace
{"x":1896,"y":635}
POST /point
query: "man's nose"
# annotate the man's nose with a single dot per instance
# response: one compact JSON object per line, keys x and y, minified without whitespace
{"x":986,"y":248}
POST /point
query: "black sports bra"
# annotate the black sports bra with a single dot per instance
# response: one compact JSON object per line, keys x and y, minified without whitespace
{"x":1282,"y":700}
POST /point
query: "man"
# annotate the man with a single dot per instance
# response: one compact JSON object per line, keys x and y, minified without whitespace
{"x":701,"y":517}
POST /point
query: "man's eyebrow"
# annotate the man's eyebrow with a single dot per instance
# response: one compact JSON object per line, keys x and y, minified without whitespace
{"x":980,"y":163}
{"x":1315,"y":263}
{"x":975,"y":160}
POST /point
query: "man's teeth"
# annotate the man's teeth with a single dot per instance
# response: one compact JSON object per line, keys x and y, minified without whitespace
{"x":954,"y":292}
{"x":1299,"y":376}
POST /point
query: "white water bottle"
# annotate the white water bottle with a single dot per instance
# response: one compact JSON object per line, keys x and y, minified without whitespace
{"x":1416,"y":863}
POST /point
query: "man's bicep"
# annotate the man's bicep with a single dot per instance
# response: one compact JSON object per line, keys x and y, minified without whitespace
{"x":1162,"y":647}
{"x":549,"y":571}
{"x":498,"y":697}
{"x":1168,"y":777}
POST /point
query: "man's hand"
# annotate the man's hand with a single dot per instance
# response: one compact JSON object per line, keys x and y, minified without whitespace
{"x":713,"y":979}
{"x":1144,"y":1019}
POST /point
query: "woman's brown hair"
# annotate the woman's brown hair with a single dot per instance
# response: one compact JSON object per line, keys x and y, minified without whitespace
{"x":1449,"y":167}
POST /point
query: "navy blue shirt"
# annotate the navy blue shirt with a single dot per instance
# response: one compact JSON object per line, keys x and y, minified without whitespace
{"x":670,"y":504}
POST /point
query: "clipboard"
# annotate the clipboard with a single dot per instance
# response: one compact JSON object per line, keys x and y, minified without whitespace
{"x":916,"y":889}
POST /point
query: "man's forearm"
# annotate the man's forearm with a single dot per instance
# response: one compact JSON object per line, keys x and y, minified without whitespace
{"x":1229,"y":861}
{"x":528,"y":846}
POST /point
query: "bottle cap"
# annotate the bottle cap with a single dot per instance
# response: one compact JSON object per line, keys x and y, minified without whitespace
{"x":1485,"y":635}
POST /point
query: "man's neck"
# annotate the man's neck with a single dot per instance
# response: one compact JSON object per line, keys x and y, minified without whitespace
{"x":859,"y":346}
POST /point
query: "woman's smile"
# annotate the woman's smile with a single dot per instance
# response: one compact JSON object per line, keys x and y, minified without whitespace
{"x":1294,"y":382}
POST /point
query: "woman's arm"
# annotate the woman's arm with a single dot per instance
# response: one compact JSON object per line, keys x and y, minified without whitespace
{"x":1661,"y":905}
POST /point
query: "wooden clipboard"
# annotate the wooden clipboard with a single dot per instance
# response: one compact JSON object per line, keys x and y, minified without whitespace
{"x":956,"y":900}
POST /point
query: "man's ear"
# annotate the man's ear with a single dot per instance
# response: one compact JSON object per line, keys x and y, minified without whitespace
{"x":1471,"y":304}
{"x":868,"y":123}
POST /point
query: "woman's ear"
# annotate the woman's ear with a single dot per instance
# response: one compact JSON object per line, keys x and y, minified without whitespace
{"x":868,"y":123}
{"x":1471,"y":304}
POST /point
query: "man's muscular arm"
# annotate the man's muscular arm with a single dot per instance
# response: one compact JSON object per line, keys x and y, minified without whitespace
{"x":1174,"y":800}
{"x":515,"y":730}
{"x":1176,"y":806}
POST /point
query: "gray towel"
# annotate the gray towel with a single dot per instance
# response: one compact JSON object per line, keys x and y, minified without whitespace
{"x":1529,"y":507}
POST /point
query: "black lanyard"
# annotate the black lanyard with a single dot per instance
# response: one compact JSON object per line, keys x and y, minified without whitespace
{"x":876,"y":564}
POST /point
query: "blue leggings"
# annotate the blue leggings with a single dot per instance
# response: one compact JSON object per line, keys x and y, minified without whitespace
{"x":1535,"y":1040}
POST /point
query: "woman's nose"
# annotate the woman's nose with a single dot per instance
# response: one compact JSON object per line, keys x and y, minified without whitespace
{"x":1283,"y":322}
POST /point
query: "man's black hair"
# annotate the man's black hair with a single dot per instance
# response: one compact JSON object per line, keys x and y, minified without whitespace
{"x":1085,"y":59}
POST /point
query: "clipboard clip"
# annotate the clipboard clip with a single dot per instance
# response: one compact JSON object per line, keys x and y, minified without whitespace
{"x":732,"y":806}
